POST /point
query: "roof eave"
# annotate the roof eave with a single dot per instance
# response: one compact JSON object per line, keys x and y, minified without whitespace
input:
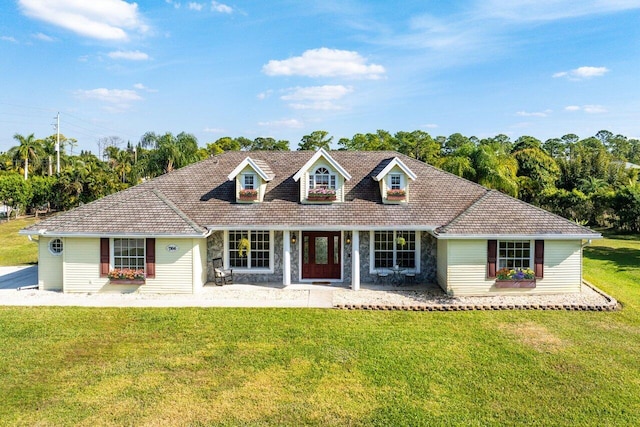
{"x":549,"y":236}
{"x":249,"y":161}
{"x":396,"y":162}
{"x":321,"y":153}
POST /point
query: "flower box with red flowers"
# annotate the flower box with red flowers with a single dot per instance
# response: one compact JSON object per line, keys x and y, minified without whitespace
{"x":126,"y":276}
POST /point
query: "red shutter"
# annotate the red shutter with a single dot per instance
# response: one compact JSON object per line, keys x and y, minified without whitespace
{"x":538,"y":259}
{"x":492,"y":257}
{"x":151,"y":258}
{"x":104,"y":257}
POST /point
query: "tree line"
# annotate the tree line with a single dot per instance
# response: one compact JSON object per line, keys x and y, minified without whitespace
{"x":592,"y":181}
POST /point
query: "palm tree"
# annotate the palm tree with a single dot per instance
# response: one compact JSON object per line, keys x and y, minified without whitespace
{"x":29,"y":147}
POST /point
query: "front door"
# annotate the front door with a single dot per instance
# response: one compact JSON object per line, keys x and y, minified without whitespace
{"x":321,"y":255}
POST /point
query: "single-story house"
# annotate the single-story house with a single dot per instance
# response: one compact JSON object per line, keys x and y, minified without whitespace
{"x":306,"y":217}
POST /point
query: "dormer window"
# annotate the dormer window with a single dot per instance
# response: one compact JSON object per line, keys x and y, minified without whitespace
{"x":395,"y":181}
{"x":322,"y":178}
{"x":249,"y":181}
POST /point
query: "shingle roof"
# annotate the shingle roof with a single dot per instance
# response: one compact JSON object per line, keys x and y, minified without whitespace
{"x":498,"y":214}
{"x":199,"y":196}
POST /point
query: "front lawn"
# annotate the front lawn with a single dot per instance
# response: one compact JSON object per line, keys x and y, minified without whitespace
{"x":93,"y":366}
{"x":16,"y":249}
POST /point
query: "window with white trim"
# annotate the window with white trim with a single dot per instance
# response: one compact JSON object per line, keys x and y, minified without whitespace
{"x":322,"y":178}
{"x":128,"y":253}
{"x":250,"y":249}
{"x":514,"y":254}
{"x":248,"y":181}
{"x":391,"y":248}
{"x":56,"y":247}
{"x":395,"y":181}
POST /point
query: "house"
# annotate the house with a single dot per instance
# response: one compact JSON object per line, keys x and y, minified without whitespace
{"x":309,"y":217}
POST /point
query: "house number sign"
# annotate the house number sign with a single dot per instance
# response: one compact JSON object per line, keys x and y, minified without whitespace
{"x":172,"y":248}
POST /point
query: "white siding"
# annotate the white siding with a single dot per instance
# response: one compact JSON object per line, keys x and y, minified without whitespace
{"x":49,"y":266}
{"x":174,"y":270}
{"x":82,"y":266}
{"x":467,"y":260}
{"x":441,"y":264}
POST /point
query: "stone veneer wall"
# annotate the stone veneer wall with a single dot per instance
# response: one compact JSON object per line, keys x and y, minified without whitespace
{"x":428,"y":253}
{"x":215,"y":249}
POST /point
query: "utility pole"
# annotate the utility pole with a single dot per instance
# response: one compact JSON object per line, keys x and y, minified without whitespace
{"x":58,"y":144}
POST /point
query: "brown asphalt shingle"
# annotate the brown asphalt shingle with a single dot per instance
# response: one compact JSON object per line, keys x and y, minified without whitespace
{"x":187,"y":200}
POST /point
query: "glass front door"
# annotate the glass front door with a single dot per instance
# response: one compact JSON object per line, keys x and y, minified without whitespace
{"x":321,"y":255}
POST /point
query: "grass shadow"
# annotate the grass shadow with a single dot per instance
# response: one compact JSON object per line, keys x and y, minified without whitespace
{"x":623,"y":258}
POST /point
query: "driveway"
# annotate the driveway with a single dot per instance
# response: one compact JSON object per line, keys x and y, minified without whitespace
{"x":15,"y":277}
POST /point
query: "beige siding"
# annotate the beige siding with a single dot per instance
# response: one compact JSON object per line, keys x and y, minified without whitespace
{"x":304,"y":180}
{"x":384,"y":184}
{"x":82,"y":266}
{"x":466,"y":269}
{"x":49,"y":266}
{"x":441,"y":264}
{"x":174,"y":270}
{"x":199,"y":264}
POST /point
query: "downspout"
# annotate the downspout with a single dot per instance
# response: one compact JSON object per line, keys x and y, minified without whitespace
{"x":588,"y":242}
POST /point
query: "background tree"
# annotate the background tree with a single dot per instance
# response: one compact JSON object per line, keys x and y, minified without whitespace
{"x":315,"y":140}
{"x":29,"y":148}
{"x":269,"y":144}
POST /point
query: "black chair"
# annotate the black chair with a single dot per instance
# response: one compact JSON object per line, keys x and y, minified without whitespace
{"x":220,"y":275}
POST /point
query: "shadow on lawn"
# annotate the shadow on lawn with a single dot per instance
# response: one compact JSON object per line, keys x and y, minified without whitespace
{"x":623,"y":258}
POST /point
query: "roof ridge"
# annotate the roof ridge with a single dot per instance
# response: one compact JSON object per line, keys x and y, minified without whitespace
{"x":465,"y":212}
{"x":177,"y":210}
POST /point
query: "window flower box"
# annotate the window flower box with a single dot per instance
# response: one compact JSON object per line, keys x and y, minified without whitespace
{"x":396,"y":195}
{"x":321,"y":194}
{"x":126,"y":276}
{"x":515,"y":278}
{"x":248,"y":195}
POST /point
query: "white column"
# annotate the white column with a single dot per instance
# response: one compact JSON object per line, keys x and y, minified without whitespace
{"x":355,"y":260}
{"x":286,"y":258}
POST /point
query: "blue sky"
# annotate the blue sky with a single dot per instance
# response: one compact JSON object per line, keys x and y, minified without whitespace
{"x":286,"y":68}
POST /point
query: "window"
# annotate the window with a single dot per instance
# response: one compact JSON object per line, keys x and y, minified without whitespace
{"x":514,"y":254}
{"x":257,"y":255}
{"x":322,"y":178}
{"x":392,"y":248}
{"x":248,"y":182}
{"x":55,"y":246}
{"x":395,"y":182}
{"x":128,"y":253}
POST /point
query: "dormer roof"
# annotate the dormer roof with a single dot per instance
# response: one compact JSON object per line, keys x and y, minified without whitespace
{"x":322,"y":153}
{"x":388,"y":165}
{"x":259,"y":166}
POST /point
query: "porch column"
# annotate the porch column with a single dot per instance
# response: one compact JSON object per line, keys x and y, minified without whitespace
{"x":286,"y":258}
{"x":355,"y":260}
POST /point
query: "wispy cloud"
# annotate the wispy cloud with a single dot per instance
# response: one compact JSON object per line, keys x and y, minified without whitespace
{"x":325,"y":62}
{"x":130,"y":55}
{"x":213,"y":130}
{"x":316,"y":97}
{"x":220,"y":7}
{"x":104,"y":20}
{"x":589,"y":109}
{"x":43,"y":37}
{"x":8,"y":39}
{"x":286,"y":123}
{"x":195,"y":6}
{"x":544,"y":113}
{"x":140,"y":86}
{"x":551,"y":10}
{"x":175,"y":4}
{"x":430,"y":126}
{"x":582,"y":73}
{"x":264,"y":95}
{"x":117,"y":100}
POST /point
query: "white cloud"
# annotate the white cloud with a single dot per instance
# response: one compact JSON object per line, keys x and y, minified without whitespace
{"x":219,"y":7}
{"x":264,"y":95}
{"x":175,"y":4}
{"x":319,"y":105}
{"x":117,"y":100}
{"x":195,"y":6}
{"x":43,"y":37}
{"x":104,"y":19}
{"x":430,"y":126}
{"x":286,"y":123}
{"x":582,"y":73}
{"x":551,"y":10}
{"x":589,"y":108}
{"x":131,"y":55}
{"x":140,"y":86}
{"x":325,"y":62}
{"x":213,"y":130}
{"x":544,"y":113}
{"x":317,"y":93}
{"x":8,"y":39}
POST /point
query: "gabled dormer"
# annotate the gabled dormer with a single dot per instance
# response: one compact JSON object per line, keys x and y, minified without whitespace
{"x":321,"y":179}
{"x":394,"y":178}
{"x":251,"y":177}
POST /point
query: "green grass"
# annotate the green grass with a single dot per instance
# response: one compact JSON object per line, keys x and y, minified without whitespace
{"x":93,"y":366}
{"x":14,"y":248}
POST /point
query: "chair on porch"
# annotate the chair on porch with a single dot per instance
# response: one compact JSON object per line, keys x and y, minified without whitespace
{"x":382,"y":277}
{"x":220,"y":275}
